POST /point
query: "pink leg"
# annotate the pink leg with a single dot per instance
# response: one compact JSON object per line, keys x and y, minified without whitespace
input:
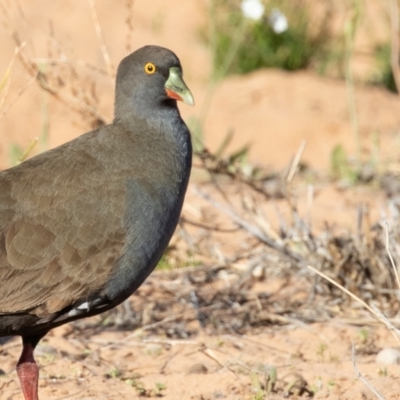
{"x":27,"y":369}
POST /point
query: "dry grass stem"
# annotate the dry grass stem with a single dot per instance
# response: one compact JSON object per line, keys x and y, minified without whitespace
{"x":362,"y":379}
{"x":5,"y":83}
{"x":372,"y":310}
{"x":252,"y":229}
{"x":129,"y":25}
{"x":19,"y":93}
{"x":100,"y":35}
{"x":296,"y":161}
{"x":363,"y":303}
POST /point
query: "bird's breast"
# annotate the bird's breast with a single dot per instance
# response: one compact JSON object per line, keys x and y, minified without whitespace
{"x":151,"y":215}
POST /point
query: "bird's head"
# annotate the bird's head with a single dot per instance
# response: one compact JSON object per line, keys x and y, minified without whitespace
{"x":149,"y":78}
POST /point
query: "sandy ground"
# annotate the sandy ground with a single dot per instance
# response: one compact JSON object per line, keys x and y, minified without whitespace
{"x":274,"y":112}
{"x":206,"y":367}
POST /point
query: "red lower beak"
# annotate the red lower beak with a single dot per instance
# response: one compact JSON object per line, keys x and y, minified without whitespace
{"x":173,"y":95}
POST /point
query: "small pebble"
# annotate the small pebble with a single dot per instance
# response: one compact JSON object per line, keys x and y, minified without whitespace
{"x":44,"y":349}
{"x":154,"y":349}
{"x":238,"y":345}
{"x":197,"y":369}
{"x":388,"y":356}
{"x":258,"y":272}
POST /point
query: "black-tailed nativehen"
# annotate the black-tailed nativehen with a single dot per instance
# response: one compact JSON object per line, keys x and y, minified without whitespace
{"x":84,"y":224}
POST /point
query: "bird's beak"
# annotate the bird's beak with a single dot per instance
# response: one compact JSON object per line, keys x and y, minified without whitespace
{"x":176,"y":88}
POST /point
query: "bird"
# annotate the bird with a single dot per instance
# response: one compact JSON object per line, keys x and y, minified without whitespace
{"x":84,"y":224}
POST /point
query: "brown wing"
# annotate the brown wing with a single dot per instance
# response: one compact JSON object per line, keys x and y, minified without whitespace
{"x":60,"y":226}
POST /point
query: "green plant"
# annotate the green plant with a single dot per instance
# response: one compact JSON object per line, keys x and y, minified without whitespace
{"x":143,"y":392}
{"x":264,"y":386}
{"x":114,"y":373}
{"x":318,"y":385}
{"x":384,"y":75}
{"x":383,"y":371}
{"x":271,"y":376}
{"x":255,"y":382}
{"x":165,"y":264}
{"x":260,"y":395}
{"x":170,"y":261}
{"x":341,"y":168}
{"x":364,"y":335}
{"x":321,"y":350}
{"x":352,"y":171}
{"x":49,"y":357}
{"x":17,"y":154}
{"x":160,"y":387}
{"x":241,"y":45}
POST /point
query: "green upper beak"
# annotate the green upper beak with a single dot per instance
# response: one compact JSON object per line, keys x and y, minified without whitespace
{"x":176,"y":88}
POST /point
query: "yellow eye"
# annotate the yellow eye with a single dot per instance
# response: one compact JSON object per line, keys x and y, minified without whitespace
{"x":150,"y":68}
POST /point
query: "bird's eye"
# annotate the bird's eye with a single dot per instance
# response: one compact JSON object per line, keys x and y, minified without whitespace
{"x":149,"y":68}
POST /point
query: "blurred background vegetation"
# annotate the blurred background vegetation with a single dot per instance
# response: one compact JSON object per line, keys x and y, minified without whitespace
{"x":249,"y":35}
{"x":312,"y":38}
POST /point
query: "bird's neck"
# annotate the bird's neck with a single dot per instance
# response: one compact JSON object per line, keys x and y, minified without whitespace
{"x":164,"y":138}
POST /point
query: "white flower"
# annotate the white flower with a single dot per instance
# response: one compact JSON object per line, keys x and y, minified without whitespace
{"x":278,"y":21}
{"x":252,"y":9}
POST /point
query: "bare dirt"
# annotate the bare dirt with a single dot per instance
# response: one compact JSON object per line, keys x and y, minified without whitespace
{"x":273,"y":321}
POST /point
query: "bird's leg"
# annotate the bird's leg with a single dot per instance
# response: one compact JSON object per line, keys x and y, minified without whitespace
{"x":27,"y":369}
